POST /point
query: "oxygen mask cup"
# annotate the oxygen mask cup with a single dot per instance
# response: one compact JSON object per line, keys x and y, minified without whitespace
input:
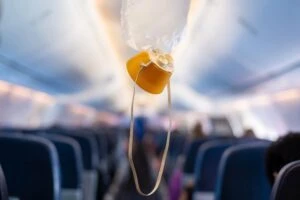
{"x":154,"y":28}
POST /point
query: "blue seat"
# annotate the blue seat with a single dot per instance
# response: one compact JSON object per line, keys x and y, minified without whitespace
{"x":5,"y":130}
{"x":31,"y":167}
{"x":21,"y":130}
{"x":90,"y":163}
{"x":71,"y":165}
{"x":88,"y":147}
{"x":103,"y":179}
{"x":190,"y":159}
{"x":3,"y":186}
{"x":287,"y":183}
{"x":206,"y":168}
{"x":241,"y":173}
{"x":102,"y":166}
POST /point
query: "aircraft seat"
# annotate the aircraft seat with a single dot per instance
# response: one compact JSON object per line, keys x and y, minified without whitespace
{"x":31,"y":167}
{"x":241,"y":173}
{"x":287,"y":183}
{"x":71,"y":165}
{"x":90,"y":164}
{"x":206,"y":168}
{"x":3,"y":186}
{"x":190,"y":158}
{"x":102,"y":158}
{"x":103,"y":179}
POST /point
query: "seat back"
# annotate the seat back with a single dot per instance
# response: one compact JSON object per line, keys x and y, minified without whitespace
{"x":191,"y":155}
{"x":90,"y":164}
{"x":206,"y":168}
{"x":103,"y":175}
{"x":241,"y":173}
{"x":102,"y":149}
{"x":71,"y":165}
{"x":31,"y":167}
{"x":102,"y":159}
{"x":287,"y":183}
{"x":190,"y":160}
{"x":3,"y":186}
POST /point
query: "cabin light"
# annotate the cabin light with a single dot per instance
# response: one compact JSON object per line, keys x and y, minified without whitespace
{"x":21,"y":92}
{"x":241,"y":104}
{"x":43,"y":98}
{"x":244,"y":104}
{"x":261,"y":100}
{"x":77,"y":111}
{"x":80,"y":110}
{"x":4,"y":87}
{"x":250,"y":119}
{"x":288,"y":95}
{"x":107,"y":118}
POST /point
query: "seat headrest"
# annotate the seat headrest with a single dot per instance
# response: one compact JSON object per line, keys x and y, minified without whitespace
{"x":191,"y":154}
{"x":89,"y":149}
{"x":241,"y":173}
{"x":31,"y":167}
{"x":206,"y":168}
{"x":287,"y":183}
{"x":70,"y":158}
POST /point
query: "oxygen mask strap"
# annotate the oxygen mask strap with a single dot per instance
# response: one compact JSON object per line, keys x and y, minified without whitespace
{"x":165,"y":153}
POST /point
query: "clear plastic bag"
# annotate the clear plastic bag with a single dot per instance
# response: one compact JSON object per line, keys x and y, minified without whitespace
{"x":155,"y":24}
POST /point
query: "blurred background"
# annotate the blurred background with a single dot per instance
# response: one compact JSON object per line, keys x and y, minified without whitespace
{"x":238,"y":60}
{"x":63,"y":70}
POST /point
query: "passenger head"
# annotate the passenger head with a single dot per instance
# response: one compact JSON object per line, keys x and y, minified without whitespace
{"x":285,"y":150}
{"x":197,"y":131}
{"x":249,"y":133}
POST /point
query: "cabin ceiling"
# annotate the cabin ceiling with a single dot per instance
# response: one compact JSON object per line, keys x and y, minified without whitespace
{"x":74,"y":50}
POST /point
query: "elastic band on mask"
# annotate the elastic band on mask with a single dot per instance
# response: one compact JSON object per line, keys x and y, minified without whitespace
{"x":165,"y":153}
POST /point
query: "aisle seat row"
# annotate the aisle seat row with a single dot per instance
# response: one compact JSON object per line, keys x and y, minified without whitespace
{"x":52,"y":166}
{"x":234,"y":169}
{"x":241,"y":173}
{"x":65,"y":165}
{"x":70,"y":159}
{"x":226,"y":169}
{"x":31,"y":167}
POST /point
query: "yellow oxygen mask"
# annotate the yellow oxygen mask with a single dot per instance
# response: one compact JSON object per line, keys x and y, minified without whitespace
{"x":151,"y":70}
{"x":157,"y":24}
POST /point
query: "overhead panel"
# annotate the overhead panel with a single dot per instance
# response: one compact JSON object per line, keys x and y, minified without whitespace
{"x":56,"y":40}
{"x":233,"y":42}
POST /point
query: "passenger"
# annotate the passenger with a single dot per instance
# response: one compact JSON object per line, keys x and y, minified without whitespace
{"x":249,"y":133}
{"x":197,"y":132}
{"x":175,"y":181}
{"x":285,"y":150}
{"x":187,"y":191}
